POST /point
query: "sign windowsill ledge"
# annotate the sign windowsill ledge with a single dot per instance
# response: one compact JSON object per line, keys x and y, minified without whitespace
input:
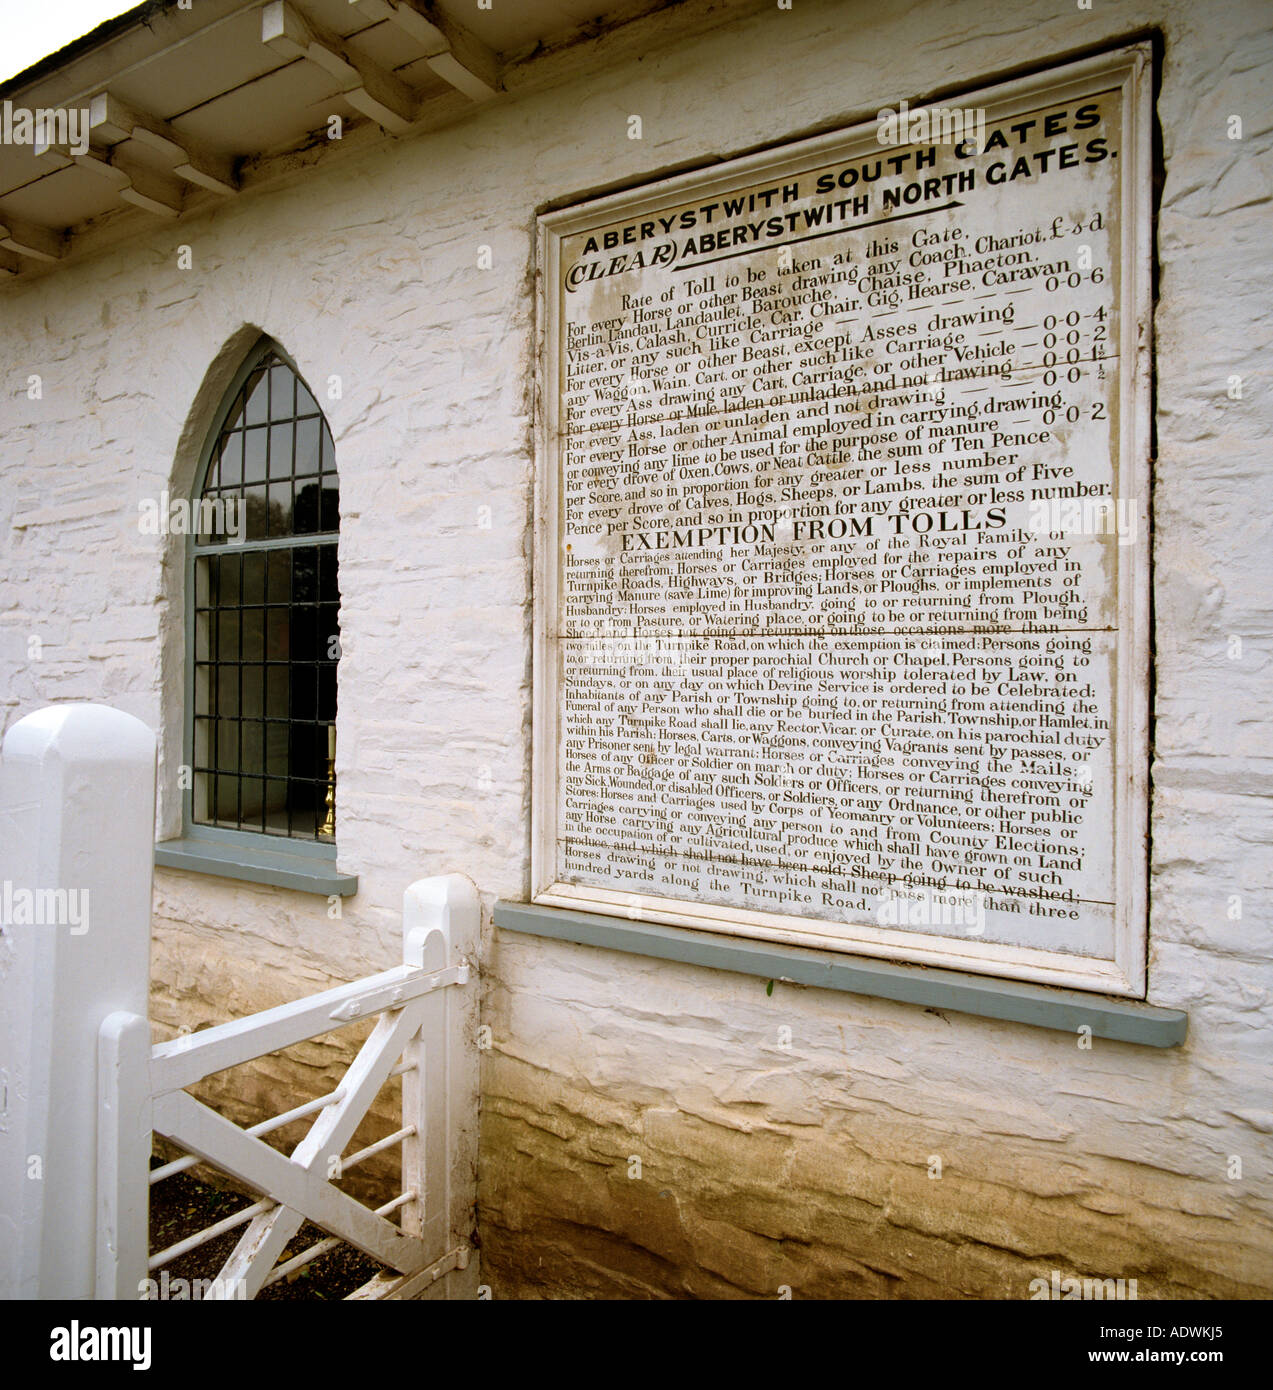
{"x":303,"y":873}
{"x":985,"y":996}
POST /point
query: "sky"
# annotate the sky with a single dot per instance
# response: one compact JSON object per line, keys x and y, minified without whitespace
{"x":32,"y":29}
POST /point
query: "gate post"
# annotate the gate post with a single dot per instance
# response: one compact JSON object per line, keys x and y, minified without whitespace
{"x":441,"y":921}
{"x":77,"y":818}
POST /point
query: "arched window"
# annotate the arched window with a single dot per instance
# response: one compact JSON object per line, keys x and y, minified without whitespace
{"x":264,"y":646}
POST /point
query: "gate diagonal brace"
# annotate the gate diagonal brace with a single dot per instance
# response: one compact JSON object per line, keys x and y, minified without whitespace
{"x":215,"y":1139}
{"x":298,"y":1183}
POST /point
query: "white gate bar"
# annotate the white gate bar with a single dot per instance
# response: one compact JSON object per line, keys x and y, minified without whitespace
{"x":299,"y":1112}
{"x":408,"y":1285}
{"x":185,"y":1060}
{"x":379,"y":1146}
{"x":218,"y":1228}
{"x":330,"y":1134}
{"x":77,"y":830}
{"x":306,"y":1257}
{"x":215,"y":1138}
{"x":238,"y":1218}
{"x":321,"y":1247}
{"x":264,"y":1241}
{"x":246,"y":1272}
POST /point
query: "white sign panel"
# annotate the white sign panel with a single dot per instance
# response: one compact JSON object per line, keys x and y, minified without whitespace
{"x":842,"y":567}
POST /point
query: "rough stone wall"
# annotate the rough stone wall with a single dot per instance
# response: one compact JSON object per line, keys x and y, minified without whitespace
{"x":759,"y":1167}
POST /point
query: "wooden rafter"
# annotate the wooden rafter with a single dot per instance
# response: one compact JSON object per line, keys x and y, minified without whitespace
{"x":29,"y":239}
{"x":454,"y":54}
{"x":133,"y":182}
{"x":365,"y":85}
{"x":112,"y":121}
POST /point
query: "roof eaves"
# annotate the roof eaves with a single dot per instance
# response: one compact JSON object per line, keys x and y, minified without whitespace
{"x":107,"y":30}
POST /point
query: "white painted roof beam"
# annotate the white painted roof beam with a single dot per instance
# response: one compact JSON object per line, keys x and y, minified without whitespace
{"x":451,"y":51}
{"x":28,"y":239}
{"x":364,"y":85}
{"x":112,"y":121}
{"x":133,"y":183}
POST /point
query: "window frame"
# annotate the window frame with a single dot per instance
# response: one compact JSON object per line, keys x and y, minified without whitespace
{"x":192,"y":830}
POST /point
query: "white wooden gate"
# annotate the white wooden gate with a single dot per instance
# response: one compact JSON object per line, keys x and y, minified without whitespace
{"x":83,"y":1088}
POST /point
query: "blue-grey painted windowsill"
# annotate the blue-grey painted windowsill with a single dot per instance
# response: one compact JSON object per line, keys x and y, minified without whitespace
{"x":1043,"y":1006}
{"x":304,"y":873}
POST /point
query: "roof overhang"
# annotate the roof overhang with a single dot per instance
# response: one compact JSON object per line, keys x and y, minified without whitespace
{"x":171,"y":107}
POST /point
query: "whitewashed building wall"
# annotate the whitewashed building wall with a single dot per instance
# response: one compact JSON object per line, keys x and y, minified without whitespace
{"x":761,"y":1167}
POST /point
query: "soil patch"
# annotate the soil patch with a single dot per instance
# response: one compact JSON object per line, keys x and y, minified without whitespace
{"x":180,"y":1206}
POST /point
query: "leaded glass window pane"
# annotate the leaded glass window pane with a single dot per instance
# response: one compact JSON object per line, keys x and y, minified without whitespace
{"x":266,"y":600}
